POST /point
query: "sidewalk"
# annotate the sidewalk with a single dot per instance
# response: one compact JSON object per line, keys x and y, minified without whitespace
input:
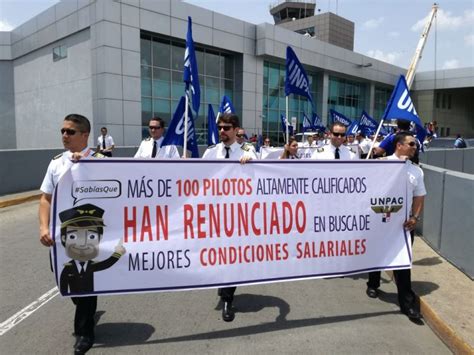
{"x":446,"y":294}
{"x":446,"y":298}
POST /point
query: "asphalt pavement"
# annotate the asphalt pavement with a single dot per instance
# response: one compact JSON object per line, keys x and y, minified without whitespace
{"x":307,"y":317}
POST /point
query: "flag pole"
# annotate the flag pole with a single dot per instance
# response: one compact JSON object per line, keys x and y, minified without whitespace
{"x":185,"y":138}
{"x":375,"y":138}
{"x":287,"y":122}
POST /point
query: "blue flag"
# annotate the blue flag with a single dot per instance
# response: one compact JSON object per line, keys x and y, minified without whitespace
{"x":400,"y":105}
{"x":212,"y":132}
{"x":226,"y":105}
{"x":367,"y":124}
{"x":175,"y":133}
{"x":296,"y":80}
{"x":353,"y":128}
{"x":190,"y":76}
{"x":285,"y":122}
{"x":318,"y":123}
{"x":307,"y":123}
{"x":339,"y":117}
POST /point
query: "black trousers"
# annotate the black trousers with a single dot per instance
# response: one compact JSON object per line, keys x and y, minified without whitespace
{"x":406,"y":296}
{"x":227,"y":293}
{"x":84,"y":322}
{"x":107,"y":154}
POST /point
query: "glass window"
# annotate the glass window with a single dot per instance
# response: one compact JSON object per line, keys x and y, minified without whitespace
{"x":147,"y":112}
{"x":212,"y":64}
{"x":177,"y":57}
{"x":177,"y":85}
{"x":200,"y":61}
{"x":162,"y":109}
{"x":59,"y":53}
{"x":161,"y":54}
{"x":162,"y":64}
{"x":145,"y":51}
{"x":228,"y":67}
{"x":146,"y":81}
{"x":212,"y":90}
{"x":274,"y":100}
{"x":161,"y":83}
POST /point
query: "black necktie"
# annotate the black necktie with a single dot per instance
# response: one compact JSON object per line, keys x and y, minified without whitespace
{"x":227,"y":150}
{"x":336,"y":155}
{"x":153,"y":153}
{"x":82,"y":263}
{"x":103,"y":142}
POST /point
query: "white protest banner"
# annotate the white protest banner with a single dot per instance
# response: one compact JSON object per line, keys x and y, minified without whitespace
{"x":125,"y":226}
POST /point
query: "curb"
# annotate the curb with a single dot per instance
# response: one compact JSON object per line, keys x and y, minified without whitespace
{"x":447,"y":335}
{"x":18,"y":200}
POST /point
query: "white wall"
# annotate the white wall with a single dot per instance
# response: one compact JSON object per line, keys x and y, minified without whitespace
{"x":46,"y":91}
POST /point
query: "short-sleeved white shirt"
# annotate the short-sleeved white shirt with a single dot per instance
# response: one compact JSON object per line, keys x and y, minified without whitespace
{"x":236,"y":152}
{"x":328,"y":152}
{"x":109,"y":141}
{"x":57,"y":167}
{"x":416,"y":184}
{"x":165,"y":152}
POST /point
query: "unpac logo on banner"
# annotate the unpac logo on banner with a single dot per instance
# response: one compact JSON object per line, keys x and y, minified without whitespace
{"x":386,"y":206}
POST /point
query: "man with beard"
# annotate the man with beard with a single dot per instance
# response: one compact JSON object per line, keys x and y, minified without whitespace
{"x":228,"y":127}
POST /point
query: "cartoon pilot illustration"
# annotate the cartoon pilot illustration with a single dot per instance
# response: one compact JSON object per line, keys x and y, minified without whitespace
{"x":82,"y":228}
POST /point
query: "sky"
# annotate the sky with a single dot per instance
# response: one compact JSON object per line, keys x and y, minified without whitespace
{"x":387,"y":30}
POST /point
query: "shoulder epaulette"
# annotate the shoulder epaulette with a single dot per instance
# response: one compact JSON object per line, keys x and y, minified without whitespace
{"x":98,"y":155}
{"x":58,"y":156}
{"x":245,"y":147}
{"x":147,"y":139}
{"x":212,"y":146}
{"x":68,"y":263}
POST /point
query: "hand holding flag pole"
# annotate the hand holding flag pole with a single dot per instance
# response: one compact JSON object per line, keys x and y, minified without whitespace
{"x":399,"y":107}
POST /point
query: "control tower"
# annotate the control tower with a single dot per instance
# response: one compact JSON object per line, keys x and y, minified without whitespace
{"x":299,"y":16}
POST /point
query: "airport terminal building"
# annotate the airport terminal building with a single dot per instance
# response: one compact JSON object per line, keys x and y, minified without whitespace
{"x":119,"y":62}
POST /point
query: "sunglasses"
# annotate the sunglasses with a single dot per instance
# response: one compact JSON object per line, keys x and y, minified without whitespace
{"x":239,"y":135}
{"x":225,"y":128}
{"x":68,"y":131}
{"x":154,"y":127}
{"x":267,"y":141}
{"x":411,"y":144}
{"x":338,"y":134}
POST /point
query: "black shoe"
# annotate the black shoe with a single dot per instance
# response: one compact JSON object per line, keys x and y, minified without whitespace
{"x":228,"y":314}
{"x":83,"y":344}
{"x":412,"y":313}
{"x":372,"y":292}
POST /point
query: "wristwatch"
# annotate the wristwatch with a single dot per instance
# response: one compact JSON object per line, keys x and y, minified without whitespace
{"x":418,"y":218}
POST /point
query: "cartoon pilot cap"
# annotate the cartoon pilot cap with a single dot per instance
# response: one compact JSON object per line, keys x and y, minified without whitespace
{"x":82,"y":216}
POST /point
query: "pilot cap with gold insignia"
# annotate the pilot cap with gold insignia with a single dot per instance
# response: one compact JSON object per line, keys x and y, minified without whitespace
{"x":82,"y":216}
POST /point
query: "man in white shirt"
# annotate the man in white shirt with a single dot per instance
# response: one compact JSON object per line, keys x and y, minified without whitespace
{"x":228,"y":148}
{"x":75,"y":133}
{"x":335,"y":149}
{"x":151,"y":147}
{"x":105,"y":143}
{"x":405,"y":149}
